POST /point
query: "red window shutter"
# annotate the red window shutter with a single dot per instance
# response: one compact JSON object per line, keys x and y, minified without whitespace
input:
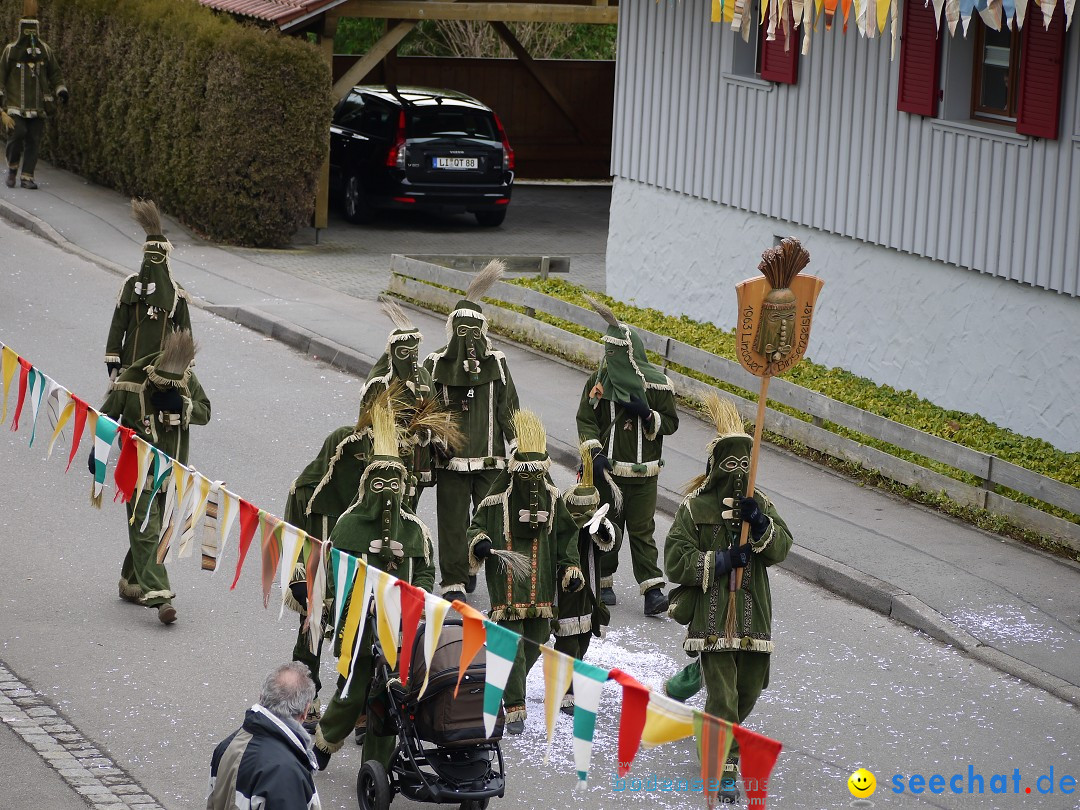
{"x":920,"y":60}
{"x":780,"y":63}
{"x":1042,"y":56}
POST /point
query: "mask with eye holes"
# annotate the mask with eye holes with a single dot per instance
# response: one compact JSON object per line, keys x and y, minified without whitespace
{"x":375,"y":523}
{"x":530,"y":503}
{"x":404,"y":355}
{"x":467,"y":358}
{"x":727,"y":474}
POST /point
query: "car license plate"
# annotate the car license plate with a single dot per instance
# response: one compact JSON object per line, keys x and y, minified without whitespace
{"x":455,"y":163}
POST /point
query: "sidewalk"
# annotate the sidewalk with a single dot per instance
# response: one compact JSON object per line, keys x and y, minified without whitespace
{"x":1010,"y":606}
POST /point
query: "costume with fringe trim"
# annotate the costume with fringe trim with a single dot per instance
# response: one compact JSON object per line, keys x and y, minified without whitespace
{"x":150,"y":306}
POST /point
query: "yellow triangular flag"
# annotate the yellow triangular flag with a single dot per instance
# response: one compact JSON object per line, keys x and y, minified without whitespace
{"x":145,"y":456}
{"x":388,"y":616}
{"x":292,"y":542}
{"x":65,"y":414}
{"x":558,"y":675}
{"x":666,"y":720}
{"x":9,"y":361}
{"x":354,"y":617}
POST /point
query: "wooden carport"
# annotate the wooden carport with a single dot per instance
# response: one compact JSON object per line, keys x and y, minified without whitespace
{"x":321,"y":18}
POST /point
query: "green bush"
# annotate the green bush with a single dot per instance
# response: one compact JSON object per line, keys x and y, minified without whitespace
{"x":224,"y":125}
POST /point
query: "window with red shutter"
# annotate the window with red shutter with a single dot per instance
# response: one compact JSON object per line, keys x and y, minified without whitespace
{"x":1042,"y":57}
{"x":920,"y":60}
{"x":780,"y":63}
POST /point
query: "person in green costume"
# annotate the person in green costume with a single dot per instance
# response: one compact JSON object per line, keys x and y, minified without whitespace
{"x":160,"y":398}
{"x":626,"y":409}
{"x":471,"y":380}
{"x":379,"y":528}
{"x":30,"y":83}
{"x":701,"y":551}
{"x":151,"y":305}
{"x":582,"y":615}
{"x":525,"y":516}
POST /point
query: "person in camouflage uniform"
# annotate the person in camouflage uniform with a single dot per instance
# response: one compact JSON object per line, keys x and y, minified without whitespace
{"x":471,"y":380}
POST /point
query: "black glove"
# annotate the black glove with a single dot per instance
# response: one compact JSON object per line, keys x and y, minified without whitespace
{"x":637,"y":408}
{"x":599,"y":464}
{"x":299,"y":592}
{"x":752,"y":514}
{"x":575,"y":583}
{"x":732,"y":558}
{"x":482,"y":549}
{"x":90,"y":462}
{"x":168,"y":400}
{"x":602,"y":532}
{"x":113,"y":369}
{"x":63,"y":96}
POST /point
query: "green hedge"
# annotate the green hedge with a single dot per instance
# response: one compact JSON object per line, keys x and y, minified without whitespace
{"x":225,"y":125}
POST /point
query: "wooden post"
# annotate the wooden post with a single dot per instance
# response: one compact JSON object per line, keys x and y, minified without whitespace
{"x":322,"y":190}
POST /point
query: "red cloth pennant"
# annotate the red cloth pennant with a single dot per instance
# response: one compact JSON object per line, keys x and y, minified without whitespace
{"x":24,"y":376}
{"x":271,"y":551}
{"x":126,"y":471}
{"x":472,"y":637}
{"x":249,"y":521}
{"x":77,"y":430}
{"x":412,"y":609}
{"x":714,"y":738}
{"x":757,"y":756}
{"x":635,"y":701}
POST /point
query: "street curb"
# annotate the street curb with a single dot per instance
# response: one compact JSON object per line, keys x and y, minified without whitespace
{"x":843,"y":580}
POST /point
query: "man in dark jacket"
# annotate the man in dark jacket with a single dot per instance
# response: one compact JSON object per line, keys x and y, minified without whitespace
{"x":268,"y":761}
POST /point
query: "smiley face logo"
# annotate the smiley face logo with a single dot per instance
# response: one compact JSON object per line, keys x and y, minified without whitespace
{"x":862,"y":784}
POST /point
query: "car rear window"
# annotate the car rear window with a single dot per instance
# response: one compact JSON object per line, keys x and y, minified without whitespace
{"x":433,"y":122}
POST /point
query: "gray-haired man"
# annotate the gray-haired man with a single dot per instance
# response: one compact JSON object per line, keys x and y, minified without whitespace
{"x":268,"y":761}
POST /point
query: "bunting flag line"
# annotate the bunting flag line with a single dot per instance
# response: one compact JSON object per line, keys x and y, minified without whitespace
{"x":270,"y":544}
{"x":315,"y":572}
{"x":178,"y":503}
{"x":355,"y":623}
{"x":387,"y":614}
{"x":249,"y":521}
{"x":435,"y":610}
{"x":635,"y":702}
{"x":292,"y":543}
{"x":412,"y":609}
{"x":9,"y":361}
{"x":666,"y":721}
{"x":200,"y":499}
{"x":757,"y":757}
{"x":228,"y":510}
{"x":473,"y":634}
{"x":558,"y":675}
{"x":502,"y":647}
{"x":713,"y":743}
{"x":104,"y":433}
{"x":344,"y":567}
{"x":81,"y":409}
{"x":163,"y":466}
{"x":588,"y":684}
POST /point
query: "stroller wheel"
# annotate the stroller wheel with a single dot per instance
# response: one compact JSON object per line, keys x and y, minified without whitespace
{"x":474,"y":804}
{"x":372,"y":786}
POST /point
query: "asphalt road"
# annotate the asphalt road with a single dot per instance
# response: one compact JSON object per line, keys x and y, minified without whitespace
{"x":849,"y":687}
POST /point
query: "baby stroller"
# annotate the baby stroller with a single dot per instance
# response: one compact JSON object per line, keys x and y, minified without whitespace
{"x":442,"y":754}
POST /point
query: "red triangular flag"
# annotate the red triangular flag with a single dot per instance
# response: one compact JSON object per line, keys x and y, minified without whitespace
{"x":271,"y":551}
{"x":77,"y":430}
{"x":635,"y":701}
{"x":126,"y":471}
{"x":249,"y":521}
{"x":757,"y":756}
{"x":473,"y":635}
{"x":24,"y":375}
{"x":412,"y":610}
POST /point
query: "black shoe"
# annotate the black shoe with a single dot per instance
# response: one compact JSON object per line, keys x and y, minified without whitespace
{"x":607,"y":596}
{"x":450,"y":596}
{"x":472,"y":584}
{"x":321,"y":757}
{"x":28,"y":182}
{"x":11,"y":175}
{"x":655,"y":602}
{"x":515,"y":727}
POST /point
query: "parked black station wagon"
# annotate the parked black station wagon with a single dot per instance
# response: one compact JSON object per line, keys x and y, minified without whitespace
{"x":415,"y":148}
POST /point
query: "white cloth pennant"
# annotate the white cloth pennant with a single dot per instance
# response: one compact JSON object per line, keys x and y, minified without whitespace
{"x":184,"y":504}
{"x":62,"y":418}
{"x":228,"y":511}
{"x":388,"y":615}
{"x":317,"y":594}
{"x":200,"y":494}
{"x":435,"y":610}
{"x":292,"y":541}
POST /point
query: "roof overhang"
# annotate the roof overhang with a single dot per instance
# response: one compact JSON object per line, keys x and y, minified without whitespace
{"x":568,"y":11}
{"x":284,"y":14}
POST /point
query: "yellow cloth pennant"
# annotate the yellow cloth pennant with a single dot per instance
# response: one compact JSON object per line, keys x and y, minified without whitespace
{"x":666,"y":721}
{"x":65,"y":414}
{"x":388,"y":615}
{"x":353,"y":618}
{"x":292,"y":542}
{"x":558,"y":675}
{"x":145,"y":457}
{"x":9,"y":361}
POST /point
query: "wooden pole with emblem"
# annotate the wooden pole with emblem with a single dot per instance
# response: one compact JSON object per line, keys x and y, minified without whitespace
{"x":773,"y":329}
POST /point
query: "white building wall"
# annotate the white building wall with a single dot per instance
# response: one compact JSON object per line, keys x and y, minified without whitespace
{"x":963,"y":340}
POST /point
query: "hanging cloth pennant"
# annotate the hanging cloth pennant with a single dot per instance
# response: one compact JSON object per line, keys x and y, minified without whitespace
{"x":993,"y":14}
{"x":163,"y":467}
{"x":356,"y":623}
{"x":270,"y":527}
{"x":126,"y":470}
{"x":62,"y":420}
{"x":179,"y":501}
{"x":635,"y":702}
{"x":830,"y":13}
{"x":249,"y":521}
{"x":666,"y":721}
{"x":713,"y":737}
{"x":435,"y":610}
{"x":388,"y":615}
{"x":952,"y":15}
{"x":104,"y":433}
{"x":717,"y":12}
{"x":316,"y":592}
{"x":344,"y":567}
{"x":472,"y":637}
{"x":757,"y":757}
{"x":144,"y":456}
{"x":502,"y":647}
{"x":228,"y":510}
{"x":558,"y":675}
{"x":967,"y":8}
{"x":1070,"y":6}
{"x":199,"y":498}
{"x":845,"y":8}
{"x":1048,"y":7}
{"x":81,"y":409}
{"x":588,"y":684}
{"x":882,"y":15}
{"x":27,"y":378}
{"x":9,"y":361}
{"x":292,"y":543}
{"x":45,"y":387}
{"x":939,"y":8}
{"x":412,"y":609}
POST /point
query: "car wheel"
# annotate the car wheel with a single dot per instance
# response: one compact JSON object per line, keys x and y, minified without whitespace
{"x":372,"y":786}
{"x":491,"y":219}
{"x":353,"y":202}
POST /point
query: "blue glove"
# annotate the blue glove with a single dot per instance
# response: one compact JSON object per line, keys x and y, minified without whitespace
{"x":752,"y":514}
{"x":732,"y":558}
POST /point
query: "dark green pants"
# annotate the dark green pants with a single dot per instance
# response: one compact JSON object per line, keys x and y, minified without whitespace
{"x":538,"y":630}
{"x":302,"y":653}
{"x":23,"y":143}
{"x":637,"y":520}
{"x":734,"y":679}
{"x":455,"y":492}
{"x":143,"y":575}
{"x":574,"y":646}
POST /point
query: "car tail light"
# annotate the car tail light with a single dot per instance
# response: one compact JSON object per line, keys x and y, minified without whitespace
{"x":395,"y":158}
{"x":508,"y":153}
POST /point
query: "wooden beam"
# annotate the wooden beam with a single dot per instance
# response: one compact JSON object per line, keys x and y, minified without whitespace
{"x":572,"y":115}
{"x":322,"y":190}
{"x":378,"y":52}
{"x":485,"y":12}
